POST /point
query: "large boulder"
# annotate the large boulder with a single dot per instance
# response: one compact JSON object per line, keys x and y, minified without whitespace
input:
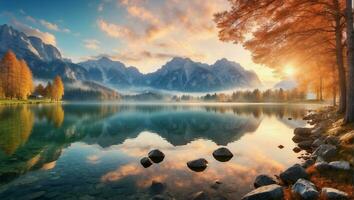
{"x":304,"y":132}
{"x":305,"y":189}
{"x":333,"y":194}
{"x":292,"y":174}
{"x":340,"y":165}
{"x":268,"y":192}
{"x":263,"y":180}
{"x":156,"y":156}
{"x":145,"y":162}
{"x":222,"y":154}
{"x":198,"y":165}
{"x":326,"y":151}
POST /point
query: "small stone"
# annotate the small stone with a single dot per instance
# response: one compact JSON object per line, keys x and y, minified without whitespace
{"x":333,"y":194}
{"x":293,"y":173}
{"x":296,"y":149}
{"x":340,"y":165}
{"x":303,"y":131}
{"x":198,"y":165}
{"x":307,"y":144}
{"x":298,"y":138}
{"x":290,"y":118}
{"x":222,"y":154}
{"x":280,"y":146}
{"x":271,"y":192}
{"x":145,"y":162}
{"x":263,"y":180}
{"x":156,"y":156}
{"x":305,"y":189}
{"x":200,"y":196}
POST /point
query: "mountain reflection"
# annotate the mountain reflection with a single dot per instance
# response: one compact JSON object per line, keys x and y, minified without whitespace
{"x":33,"y":137}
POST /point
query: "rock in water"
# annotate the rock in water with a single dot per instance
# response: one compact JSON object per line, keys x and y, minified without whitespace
{"x":292,"y":174}
{"x":156,"y":156}
{"x":157,"y":187}
{"x":333,"y":194}
{"x":263,"y":180}
{"x":304,"y":132}
{"x":222,"y":154}
{"x":200,"y":196}
{"x":268,"y":192}
{"x":145,"y":162}
{"x":280,"y":146}
{"x":326,"y":151}
{"x":340,"y":165}
{"x":296,"y":149}
{"x":198,"y":165}
{"x":305,"y":189}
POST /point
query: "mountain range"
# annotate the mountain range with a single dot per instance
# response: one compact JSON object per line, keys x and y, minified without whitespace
{"x":179,"y":74}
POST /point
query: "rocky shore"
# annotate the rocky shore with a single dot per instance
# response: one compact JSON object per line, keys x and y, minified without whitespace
{"x":326,"y":171}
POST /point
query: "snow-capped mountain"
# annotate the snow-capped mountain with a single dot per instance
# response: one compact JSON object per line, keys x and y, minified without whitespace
{"x":26,"y":47}
{"x":111,"y":72}
{"x":183,"y":74}
{"x":179,"y":74}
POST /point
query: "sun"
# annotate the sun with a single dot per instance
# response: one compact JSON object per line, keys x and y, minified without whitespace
{"x":289,"y":71}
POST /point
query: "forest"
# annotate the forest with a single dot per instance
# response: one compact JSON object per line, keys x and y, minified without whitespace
{"x":316,"y":37}
{"x":16,"y":81}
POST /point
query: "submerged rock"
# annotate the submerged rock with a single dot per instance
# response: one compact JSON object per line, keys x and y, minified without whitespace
{"x":145,"y":162}
{"x":305,"y":189}
{"x":340,"y":165}
{"x":157,"y":187}
{"x":263,"y":180}
{"x":326,"y":151}
{"x":200,"y":196}
{"x":198,"y":165}
{"x":293,"y":173}
{"x":333,"y":194}
{"x":156,"y":156}
{"x":268,"y":192}
{"x":222,"y":154}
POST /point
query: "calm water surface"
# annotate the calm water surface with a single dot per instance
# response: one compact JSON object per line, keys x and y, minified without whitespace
{"x":92,"y":151}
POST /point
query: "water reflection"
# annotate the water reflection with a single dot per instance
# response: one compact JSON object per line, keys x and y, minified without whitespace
{"x":69,"y":140}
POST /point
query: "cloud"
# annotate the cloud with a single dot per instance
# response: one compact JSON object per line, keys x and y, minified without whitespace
{"x":92,"y":44}
{"x":48,"y":25}
{"x":114,"y":30}
{"x":46,"y":37}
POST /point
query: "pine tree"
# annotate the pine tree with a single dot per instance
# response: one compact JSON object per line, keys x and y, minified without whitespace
{"x":58,"y":89}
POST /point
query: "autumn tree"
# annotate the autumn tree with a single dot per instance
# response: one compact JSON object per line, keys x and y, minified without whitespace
{"x":48,"y":90}
{"x":16,"y":77}
{"x":57,"y":89}
{"x":301,"y":32}
{"x":40,"y":90}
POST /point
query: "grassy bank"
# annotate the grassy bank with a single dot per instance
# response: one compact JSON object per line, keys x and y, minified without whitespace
{"x":29,"y":101}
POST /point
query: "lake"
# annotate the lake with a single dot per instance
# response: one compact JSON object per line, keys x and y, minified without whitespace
{"x":93,"y":151}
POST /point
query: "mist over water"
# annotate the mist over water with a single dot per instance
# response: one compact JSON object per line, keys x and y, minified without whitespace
{"x":93,"y":150}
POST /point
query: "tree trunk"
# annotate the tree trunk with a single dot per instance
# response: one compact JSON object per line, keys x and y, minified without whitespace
{"x":340,"y":60}
{"x":349,"y":114}
{"x":334,"y":85}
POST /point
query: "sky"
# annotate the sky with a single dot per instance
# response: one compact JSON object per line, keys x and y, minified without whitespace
{"x":141,"y":33}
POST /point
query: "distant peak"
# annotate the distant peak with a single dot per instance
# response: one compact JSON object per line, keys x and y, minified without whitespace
{"x":105,"y":58}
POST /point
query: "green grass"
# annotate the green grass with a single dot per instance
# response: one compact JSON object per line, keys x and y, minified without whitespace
{"x":29,"y":101}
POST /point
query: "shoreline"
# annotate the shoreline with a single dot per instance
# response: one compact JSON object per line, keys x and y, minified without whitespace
{"x":326,"y":170}
{"x":29,"y":102}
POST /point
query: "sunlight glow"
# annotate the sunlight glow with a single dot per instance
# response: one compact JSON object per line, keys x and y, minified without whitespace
{"x":289,"y":70}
